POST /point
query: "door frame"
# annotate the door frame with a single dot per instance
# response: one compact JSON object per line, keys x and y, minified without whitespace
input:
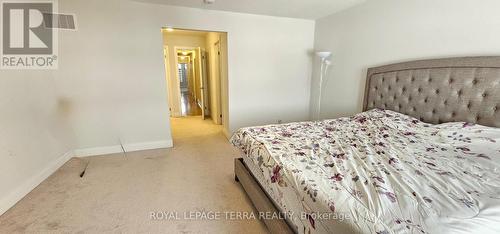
{"x":177,"y":78}
{"x":205,"y":107}
{"x":225,"y":41}
{"x":218,"y":82}
{"x":223,"y":38}
{"x":170,"y":87}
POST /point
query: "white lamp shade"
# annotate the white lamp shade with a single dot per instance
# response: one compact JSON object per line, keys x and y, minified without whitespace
{"x":323,"y":54}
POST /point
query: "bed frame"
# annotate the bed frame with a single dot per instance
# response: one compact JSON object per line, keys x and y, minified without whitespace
{"x":435,"y":91}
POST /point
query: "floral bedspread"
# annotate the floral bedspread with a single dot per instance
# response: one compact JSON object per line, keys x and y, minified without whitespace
{"x":383,"y":172}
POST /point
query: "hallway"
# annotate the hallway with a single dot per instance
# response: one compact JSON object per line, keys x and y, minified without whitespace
{"x":189,"y":107}
{"x":119,"y":191}
{"x":197,"y":69}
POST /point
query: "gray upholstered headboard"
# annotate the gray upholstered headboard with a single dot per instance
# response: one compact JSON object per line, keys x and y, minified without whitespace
{"x":439,"y":90}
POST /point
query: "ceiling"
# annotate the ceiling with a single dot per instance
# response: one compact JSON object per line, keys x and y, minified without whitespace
{"x":181,"y":32}
{"x":187,"y":52}
{"x":306,"y":9}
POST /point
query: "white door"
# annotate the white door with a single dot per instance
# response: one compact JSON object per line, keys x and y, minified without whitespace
{"x":203,"y":81}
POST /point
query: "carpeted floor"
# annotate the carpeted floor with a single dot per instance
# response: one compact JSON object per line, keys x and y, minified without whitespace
{"x":119,"y":192}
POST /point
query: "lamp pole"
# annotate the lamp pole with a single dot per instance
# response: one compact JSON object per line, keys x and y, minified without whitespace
{"x":323,"y":69}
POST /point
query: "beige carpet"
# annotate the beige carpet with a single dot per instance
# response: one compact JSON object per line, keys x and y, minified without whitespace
{"x":118,"y":192}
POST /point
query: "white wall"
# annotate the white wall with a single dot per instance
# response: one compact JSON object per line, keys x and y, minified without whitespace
{"x":113,"y":73}
{"x":386,"y":31}
{"x":34,"y":136}
{"x":110,"y":87}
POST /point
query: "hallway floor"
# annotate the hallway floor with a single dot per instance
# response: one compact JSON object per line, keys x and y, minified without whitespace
{"x":189,"y":107}
{"x":119,"y":192}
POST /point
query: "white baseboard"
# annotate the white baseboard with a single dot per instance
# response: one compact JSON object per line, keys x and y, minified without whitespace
{"x":118,"y":148}
{"x":98,"y":151}
{"x":148,"y":145}
{"x":26,"y":187}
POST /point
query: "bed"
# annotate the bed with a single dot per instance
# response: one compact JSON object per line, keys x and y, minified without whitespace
{"x":422,"y":157}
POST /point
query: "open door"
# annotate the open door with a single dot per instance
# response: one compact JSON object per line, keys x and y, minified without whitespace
{"x":202,"y":66}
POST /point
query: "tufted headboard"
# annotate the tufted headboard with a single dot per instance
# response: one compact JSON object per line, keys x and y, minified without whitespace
{"x":439,"y":90}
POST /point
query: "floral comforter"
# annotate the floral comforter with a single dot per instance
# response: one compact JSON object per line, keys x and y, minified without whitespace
{"x":382,"y":172}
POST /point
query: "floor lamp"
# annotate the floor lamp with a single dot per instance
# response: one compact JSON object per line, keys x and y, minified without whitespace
{"x":325,"y":63}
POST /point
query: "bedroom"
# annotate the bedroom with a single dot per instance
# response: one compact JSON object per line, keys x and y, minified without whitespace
{"x":108,"y":96}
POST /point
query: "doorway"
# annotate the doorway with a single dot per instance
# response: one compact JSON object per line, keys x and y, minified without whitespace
{"x":196,"y":73}
{"x":189,"y":74}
